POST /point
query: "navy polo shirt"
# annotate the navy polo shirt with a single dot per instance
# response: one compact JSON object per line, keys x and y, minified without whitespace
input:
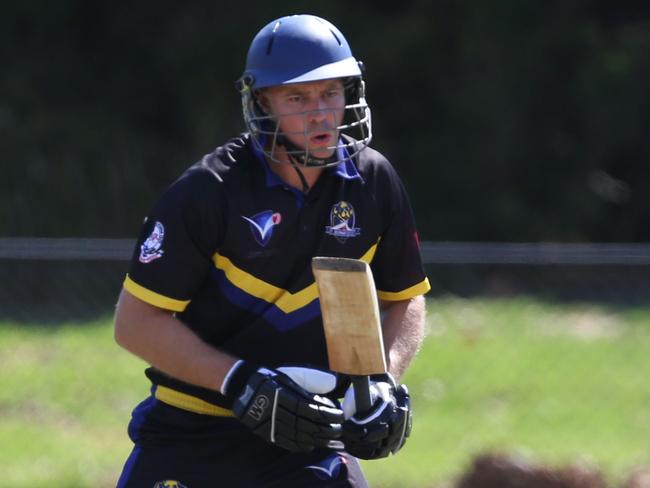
{"x":228,"y":247}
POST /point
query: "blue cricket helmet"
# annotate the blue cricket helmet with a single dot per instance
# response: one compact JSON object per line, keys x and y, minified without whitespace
{"x":299,"y":49}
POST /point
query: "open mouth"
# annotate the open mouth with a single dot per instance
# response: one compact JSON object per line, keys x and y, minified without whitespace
{"x":321,"y":139}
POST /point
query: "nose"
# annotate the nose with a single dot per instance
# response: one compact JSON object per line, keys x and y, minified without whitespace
{"x":319,"y":111}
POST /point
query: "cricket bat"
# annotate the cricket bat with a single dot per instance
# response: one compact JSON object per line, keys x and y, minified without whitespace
{"x":351,"y":321}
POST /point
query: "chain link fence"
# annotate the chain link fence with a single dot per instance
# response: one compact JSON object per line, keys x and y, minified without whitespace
{"x":51,"y":280}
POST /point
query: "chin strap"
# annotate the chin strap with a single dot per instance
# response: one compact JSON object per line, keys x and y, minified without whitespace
{"x":297,"y":161}
{"x":303,"y":180}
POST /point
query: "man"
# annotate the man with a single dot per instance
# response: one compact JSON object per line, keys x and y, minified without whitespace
{"x":220,"y":300}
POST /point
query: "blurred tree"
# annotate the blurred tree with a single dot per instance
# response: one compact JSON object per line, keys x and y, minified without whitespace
{"x":507,"y":120}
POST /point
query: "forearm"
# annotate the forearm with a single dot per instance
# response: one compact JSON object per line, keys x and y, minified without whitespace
{"x":403,"y":327}
{"x":160,"y":339}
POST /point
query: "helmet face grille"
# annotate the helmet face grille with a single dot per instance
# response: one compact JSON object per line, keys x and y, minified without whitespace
{"x":298,"y":49}
{"x":267,"y":136}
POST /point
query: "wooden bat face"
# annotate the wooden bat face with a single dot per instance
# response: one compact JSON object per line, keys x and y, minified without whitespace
{"x":350,"y":310}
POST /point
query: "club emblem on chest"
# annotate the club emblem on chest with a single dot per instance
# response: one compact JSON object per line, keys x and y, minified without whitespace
{"x":342,"y":220}
{"x":262,"y":225}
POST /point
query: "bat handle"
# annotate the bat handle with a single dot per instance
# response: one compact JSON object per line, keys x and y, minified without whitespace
{"x":362,"y":393}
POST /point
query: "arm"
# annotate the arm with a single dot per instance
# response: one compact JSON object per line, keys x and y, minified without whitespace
{"x":302,"y":420}
{"x":156,"y":336}
{"x":403,"y":325}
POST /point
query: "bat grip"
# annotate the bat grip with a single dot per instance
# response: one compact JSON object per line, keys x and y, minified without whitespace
{"x":362,"y":394}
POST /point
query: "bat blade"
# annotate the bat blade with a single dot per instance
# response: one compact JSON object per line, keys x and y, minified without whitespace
{"x":351,"y":321}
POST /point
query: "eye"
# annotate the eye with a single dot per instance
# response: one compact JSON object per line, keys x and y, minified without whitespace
{"x":294,"y":98}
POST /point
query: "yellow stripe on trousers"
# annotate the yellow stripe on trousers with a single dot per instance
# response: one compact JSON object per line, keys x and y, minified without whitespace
{"x":190,"y":403}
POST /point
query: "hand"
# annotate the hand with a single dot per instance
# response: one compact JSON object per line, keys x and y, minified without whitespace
{"x":284,"y":406}
{"x":385,"y":428}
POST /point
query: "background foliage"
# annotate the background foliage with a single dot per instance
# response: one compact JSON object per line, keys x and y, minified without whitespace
{"x":508,"y":120}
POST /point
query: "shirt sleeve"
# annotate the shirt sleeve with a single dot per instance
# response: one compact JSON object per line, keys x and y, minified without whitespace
{"x":397,"y":265}
{"x":173,"y":253}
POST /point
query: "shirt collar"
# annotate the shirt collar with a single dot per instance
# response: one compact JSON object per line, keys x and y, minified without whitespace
{"x":270,"y":177}
{"x":346,"y":169}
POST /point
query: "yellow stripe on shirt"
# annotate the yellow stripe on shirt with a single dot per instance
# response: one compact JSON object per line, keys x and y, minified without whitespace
{"x":420,"y":289}
{"x":153,"y":298}
{"x":286,"y":301}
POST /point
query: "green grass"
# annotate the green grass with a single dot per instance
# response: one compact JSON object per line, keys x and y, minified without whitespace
{"x":558,"y":383}
{"x":66,"y":397}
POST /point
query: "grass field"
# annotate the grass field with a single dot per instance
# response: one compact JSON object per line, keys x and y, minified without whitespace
{"x":558,"y":383}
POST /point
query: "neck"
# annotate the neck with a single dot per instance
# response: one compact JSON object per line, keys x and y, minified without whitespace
{"x":288,"y":171}
{"x":288,"y":174}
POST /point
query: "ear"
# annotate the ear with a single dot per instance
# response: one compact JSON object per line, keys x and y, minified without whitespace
{"x":262,"y":101}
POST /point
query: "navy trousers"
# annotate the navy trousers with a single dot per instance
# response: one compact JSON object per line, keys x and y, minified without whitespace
{"x":175,"y":448}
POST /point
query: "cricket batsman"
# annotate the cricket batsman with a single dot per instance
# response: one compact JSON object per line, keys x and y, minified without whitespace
{"x":220,"y":298}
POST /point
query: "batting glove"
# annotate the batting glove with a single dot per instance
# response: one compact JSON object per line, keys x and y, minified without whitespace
{"x":384,"y":429}
{"x":284,"y":406}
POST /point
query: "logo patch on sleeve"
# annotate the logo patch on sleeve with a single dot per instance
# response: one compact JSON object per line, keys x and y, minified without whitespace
{"x":262,"y":225}
{"x":151,"y":248}
{"x":342,"y":221}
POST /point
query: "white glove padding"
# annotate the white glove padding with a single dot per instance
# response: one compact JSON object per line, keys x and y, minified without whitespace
{"x":313,"y":380}
{"x":378,"y":390}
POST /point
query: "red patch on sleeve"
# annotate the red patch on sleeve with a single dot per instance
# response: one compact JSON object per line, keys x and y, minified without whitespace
{"x":416,"y":238}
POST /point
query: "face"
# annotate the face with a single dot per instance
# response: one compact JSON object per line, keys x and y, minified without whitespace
{"x":308,"y":113}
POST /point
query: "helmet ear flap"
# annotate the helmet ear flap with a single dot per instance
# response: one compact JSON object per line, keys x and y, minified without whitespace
{"x":245,"y":87}
{"x":244,"y":83}
{"x":355,"y":89}
{"x":355,"y":94}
